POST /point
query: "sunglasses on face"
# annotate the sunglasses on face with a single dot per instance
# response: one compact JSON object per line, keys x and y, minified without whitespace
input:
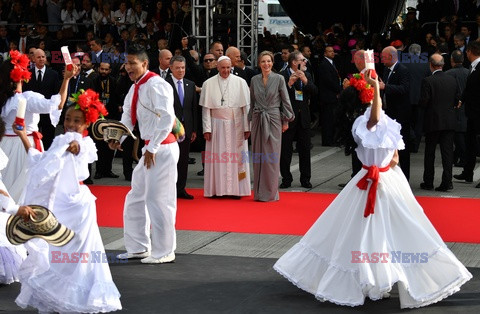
{"x":208,"y":60}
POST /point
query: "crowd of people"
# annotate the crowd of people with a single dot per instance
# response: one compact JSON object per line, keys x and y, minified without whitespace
{"x":148,"y":76}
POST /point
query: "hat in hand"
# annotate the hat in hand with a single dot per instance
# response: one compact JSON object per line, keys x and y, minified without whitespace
{"x":44,"y":226}
{"x":105,"y":129}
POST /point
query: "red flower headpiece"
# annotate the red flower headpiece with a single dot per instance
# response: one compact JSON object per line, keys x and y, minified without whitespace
{"x":364,"y":89}
{"x":20,"y":63}
{"x":90,"y":104}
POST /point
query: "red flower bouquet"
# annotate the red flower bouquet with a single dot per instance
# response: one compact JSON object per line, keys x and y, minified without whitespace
{"x":20,"y":63}
{"x":90,"y":104}
{"x":364,"y":89}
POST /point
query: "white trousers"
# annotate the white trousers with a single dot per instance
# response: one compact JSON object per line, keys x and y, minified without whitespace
{"x":153,"y":201}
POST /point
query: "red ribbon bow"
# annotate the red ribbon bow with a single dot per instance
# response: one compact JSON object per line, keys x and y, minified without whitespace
{"x":373,"y":173}
{"x":135,"y":94}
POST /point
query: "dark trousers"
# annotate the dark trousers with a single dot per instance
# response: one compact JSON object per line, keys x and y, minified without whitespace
{"x":328,"y":119}
{"x":418,"y":117}
{"x":302,"y":136}
{"x":473,"y":129}
{"x":460,"y":151}
{"x":356,"y":164}
{"x":47,"y":129}
{"x":182,"y":165}
{"x":445,"y":139}
{"x":404,"y":154}
{"x":105,"y":158}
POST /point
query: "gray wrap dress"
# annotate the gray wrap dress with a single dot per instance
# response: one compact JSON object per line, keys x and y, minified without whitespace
{"x":269,"y":107}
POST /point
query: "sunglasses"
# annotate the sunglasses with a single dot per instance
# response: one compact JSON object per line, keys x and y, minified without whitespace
{"x":208,"y":60}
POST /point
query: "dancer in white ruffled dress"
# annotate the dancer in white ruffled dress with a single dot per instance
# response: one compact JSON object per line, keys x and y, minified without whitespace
{"x":10,"y":92}
{"x":11,"y":256}
{"x":75,"y":277}
{"x":388,"y":229}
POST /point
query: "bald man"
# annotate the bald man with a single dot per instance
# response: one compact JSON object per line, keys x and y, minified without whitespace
{"x":163,"y":69}
{"x":395,"y":90}
{"x":439,"y":95}
{"x":46,"y":82}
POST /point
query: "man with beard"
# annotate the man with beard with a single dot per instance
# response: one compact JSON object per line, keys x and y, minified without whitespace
{"x":105,"y":86}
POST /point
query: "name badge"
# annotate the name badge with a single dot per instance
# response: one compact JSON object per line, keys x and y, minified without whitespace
{"x":298,"y":95}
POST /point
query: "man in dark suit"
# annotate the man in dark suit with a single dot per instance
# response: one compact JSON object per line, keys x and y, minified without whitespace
{"x":4,"y":40}
{"x":329,"y":86}
{"x":460,"y":74}
{"x":242,"y":64}
{"x":163,"y":69}
{"x":439,"y":95}
{"x":105,"y":86}
{"x":471,"y":101}
{"x":395,"y":86}
{"x":185,"y":105}
{"x":282,"y":64}
{"x":46,"y":82}
{"x":418,"y":68}
{"x":300,"y":89}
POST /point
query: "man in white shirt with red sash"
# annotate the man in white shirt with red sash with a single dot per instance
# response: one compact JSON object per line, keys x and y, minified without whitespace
{"x":152,"y":198}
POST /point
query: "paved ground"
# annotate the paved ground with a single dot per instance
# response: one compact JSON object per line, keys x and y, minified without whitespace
{"x":212,"y":252}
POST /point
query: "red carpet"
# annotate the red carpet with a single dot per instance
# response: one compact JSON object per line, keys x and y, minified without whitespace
{"x":456,"y":219}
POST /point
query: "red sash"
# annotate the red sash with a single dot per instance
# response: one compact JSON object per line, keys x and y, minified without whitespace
{"x":170,"y":139}
{"x":373,"y":173}
{"x":37,"y":139}
{"x":135,"y":94}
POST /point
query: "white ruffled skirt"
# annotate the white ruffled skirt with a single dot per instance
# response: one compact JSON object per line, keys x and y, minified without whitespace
{"x":54,"y":279}
{"x":330,"y":261}
{"x":11,"y":256}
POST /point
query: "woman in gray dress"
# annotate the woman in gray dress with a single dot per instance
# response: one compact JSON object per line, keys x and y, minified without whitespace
{"x":270,"y":112}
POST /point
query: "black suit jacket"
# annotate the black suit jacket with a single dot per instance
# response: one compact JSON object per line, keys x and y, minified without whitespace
{"x":397,"y":94}
{"x":309,"y":91}
{"x":328,"y":82}
{"x":439,"y":94}
{"x":471,"y":95}
{"x":49,"y":85}
{"x":188,"y":113}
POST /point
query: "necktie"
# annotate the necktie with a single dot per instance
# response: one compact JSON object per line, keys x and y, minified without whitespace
{"x":284,"y":66}
{"x":387,"y":75}
{"x":180,"y":91}
{"x":135,"y":95}
{"x":39,"y":77}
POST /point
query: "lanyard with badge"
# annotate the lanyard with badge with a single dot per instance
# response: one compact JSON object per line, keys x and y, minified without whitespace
{"x":298,"y":93}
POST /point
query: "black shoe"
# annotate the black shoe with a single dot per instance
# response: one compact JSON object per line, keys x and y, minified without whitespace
{"x":425,"y":186}
{"x":306,"y":185}
{"x":478,"y":185}
{"x":201,"y":172}
{"x":285,"y":185}
{"x":342,"y":185}
{"x":98,"y":176}
{"x":463,"y":176}
{"x":110,"y":175}
{"x":88,"y":181}
{"x":444,"y":187}
{"x":459,"y":164}
{"x":191,"y":161}
{"x":183,"y":194}
{"x":235,"y":197}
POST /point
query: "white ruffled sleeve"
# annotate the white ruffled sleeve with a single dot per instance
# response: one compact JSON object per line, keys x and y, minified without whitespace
{"x":37,"y":103}
{"x":386,"y":134}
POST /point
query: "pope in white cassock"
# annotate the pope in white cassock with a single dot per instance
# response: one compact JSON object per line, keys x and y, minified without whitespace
{"x":225,"y":101}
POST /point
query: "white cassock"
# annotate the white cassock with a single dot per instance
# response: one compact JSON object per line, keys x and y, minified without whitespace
{"x":226,"y":103}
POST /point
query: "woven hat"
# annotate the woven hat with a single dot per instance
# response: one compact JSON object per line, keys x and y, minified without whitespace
{"x":44,"y":226}
{"x":105,"y":129}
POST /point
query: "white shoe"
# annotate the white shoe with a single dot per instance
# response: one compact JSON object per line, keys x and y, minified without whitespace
{"x":127,"y":255}
{"x":166,"y":259}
